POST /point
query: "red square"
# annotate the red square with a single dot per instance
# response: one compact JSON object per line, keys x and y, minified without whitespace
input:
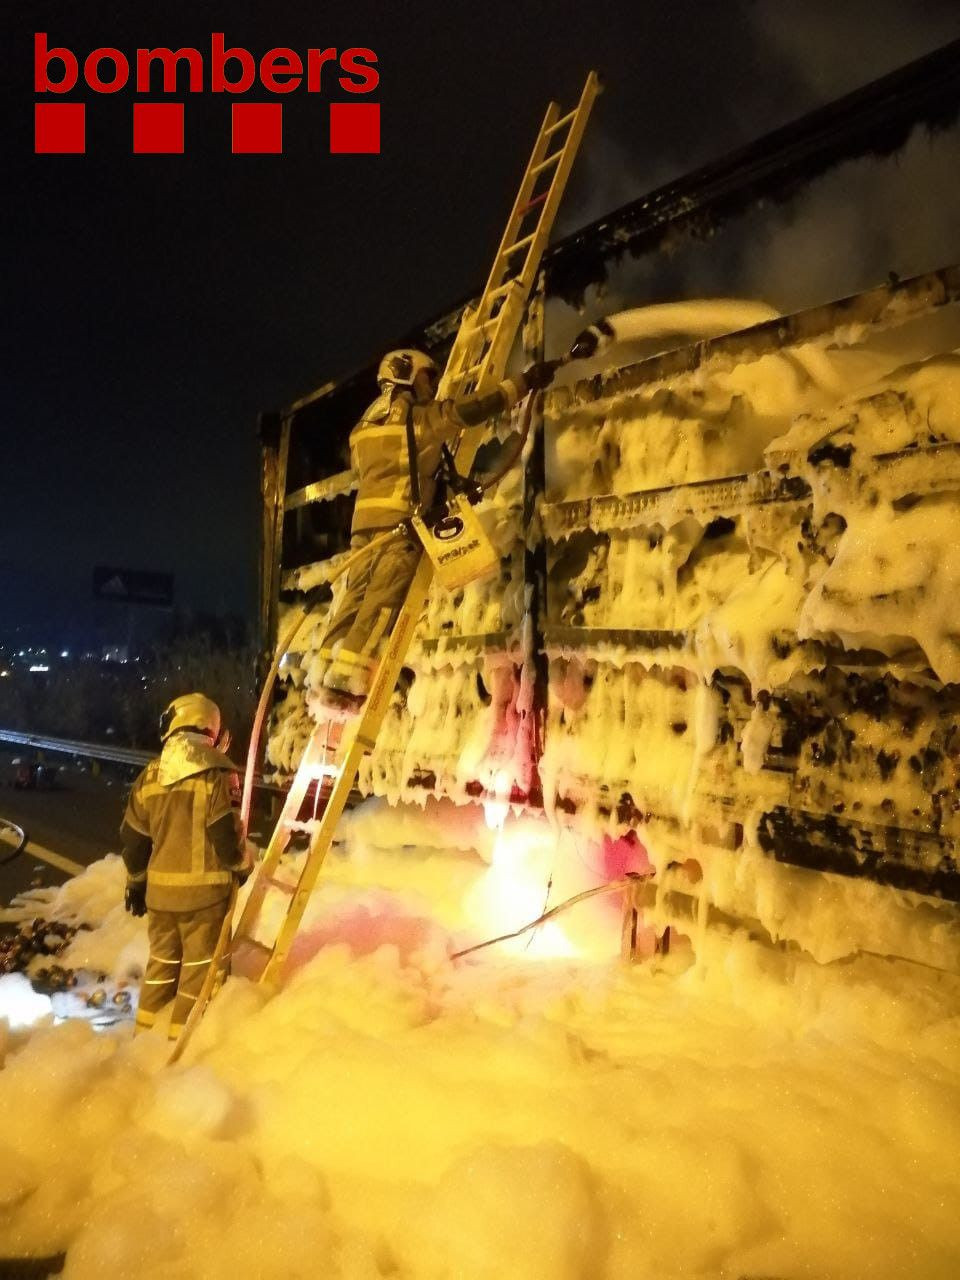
{"x":59,"y":128}
{"x":257,"y":128}
{"x":157,"y":128}
{"x":355,"y":127}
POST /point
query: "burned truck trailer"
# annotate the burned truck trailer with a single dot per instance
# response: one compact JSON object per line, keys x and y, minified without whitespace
{"x":725,"y":626}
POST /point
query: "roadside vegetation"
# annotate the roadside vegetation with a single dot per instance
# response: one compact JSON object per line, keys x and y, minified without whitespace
{"x":120,"y":702}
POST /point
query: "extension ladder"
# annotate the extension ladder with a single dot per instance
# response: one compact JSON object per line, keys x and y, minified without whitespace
{"x":476,"y":363}
{"x":483,"y":342}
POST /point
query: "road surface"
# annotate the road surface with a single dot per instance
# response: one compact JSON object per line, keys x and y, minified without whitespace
{"x":69,"y":826}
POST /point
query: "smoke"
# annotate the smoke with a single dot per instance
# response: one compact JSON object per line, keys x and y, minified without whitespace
{"x":844,"y":233}
{"x":606,"y":177}
{"x":819,"y":39}
{"x":862,"y":222}
{"x":847,"y":232}
{"x":870,"y":217}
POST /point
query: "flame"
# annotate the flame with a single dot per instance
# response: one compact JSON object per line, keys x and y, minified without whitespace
{"x":337,"y":742}
{"x":495,"y":810}
{"x":513,"y":892}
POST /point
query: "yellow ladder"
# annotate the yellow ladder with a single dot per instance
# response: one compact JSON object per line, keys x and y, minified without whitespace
{"x":476,"y":363}
{"x":482,"y":345}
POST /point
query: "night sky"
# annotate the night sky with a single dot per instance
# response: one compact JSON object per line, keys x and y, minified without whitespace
{"x":155,"y":304}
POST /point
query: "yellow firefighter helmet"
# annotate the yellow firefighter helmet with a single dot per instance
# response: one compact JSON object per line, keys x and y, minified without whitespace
{"x":400,"y":368}
{"x":191,"y":711}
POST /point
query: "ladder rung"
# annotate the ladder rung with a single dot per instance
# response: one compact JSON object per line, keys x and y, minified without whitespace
{"x":500,"y":289}
{"x":545,"y":164}
{"x":247,"y":941}
{"x":284,"y":885}
{"x":311,"y":824}
{"x":560,"y":123}
{"x":534,"y":202}
{"x":480,"y":326}
{"x":519,"y":244}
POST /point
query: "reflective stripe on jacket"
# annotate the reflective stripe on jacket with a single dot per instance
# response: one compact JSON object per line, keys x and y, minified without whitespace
{"x":184,"y":872}
{"x":378,"y":448}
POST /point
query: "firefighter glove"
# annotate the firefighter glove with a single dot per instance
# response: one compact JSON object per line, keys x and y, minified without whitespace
{"x":135,"y":898}
{"x":539,"y":376}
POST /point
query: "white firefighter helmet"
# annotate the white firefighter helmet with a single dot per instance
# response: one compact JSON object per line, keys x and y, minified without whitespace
{"x":400,"y":368}
{"x":191,"y":711}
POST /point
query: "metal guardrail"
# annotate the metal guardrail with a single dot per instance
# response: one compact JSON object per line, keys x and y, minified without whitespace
{"x":74,"y":747}
{"x":100,"y":751}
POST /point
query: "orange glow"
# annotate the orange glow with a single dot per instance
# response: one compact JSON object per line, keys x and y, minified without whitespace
{"x":513,"y":892}
{"x":319,"y":770}
{"x":496,"y":809}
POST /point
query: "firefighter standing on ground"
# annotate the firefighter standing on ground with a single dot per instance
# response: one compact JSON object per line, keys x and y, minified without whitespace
{"x":183,"y":850}
{"x":376,"y":587}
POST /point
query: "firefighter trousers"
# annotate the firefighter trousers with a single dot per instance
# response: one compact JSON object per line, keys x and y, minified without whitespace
{"x":373,"y":594}
{"x":182,"y":944}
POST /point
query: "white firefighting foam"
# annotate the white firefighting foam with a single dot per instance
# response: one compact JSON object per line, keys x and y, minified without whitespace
{"x":686,"y":650}
{"x":540,"y":1110}
{"x":393,"y":1114}
{"x":732,"y":596}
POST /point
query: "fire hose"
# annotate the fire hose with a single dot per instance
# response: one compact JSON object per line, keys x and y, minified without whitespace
{"x":610,"y":886}
{"x":488,"y":482}
{"x":284,"y":646}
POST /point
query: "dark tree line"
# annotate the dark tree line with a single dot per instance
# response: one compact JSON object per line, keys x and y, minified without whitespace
{"x":121,"y":703}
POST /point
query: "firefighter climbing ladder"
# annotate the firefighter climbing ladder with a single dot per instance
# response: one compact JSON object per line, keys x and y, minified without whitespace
{"x":476,"y":364}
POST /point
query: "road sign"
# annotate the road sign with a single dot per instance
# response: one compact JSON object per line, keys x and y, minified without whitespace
{"x":133,"y":586}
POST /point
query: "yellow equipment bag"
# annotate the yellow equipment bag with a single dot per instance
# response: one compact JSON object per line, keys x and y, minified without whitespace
{"x":457,"y":544}
{"x":450,"y":531}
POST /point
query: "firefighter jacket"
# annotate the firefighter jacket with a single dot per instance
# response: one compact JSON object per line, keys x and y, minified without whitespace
{"x":378,"y":447}
{"x":181,"y":829}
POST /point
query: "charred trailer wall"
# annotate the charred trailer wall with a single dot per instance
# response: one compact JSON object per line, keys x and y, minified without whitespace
{"x":754,"y":622}
{"x":748,"y":650}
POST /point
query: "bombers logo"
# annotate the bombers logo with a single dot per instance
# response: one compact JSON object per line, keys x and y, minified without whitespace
{"x":158,"y":127}
{"x":448,"y":528}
